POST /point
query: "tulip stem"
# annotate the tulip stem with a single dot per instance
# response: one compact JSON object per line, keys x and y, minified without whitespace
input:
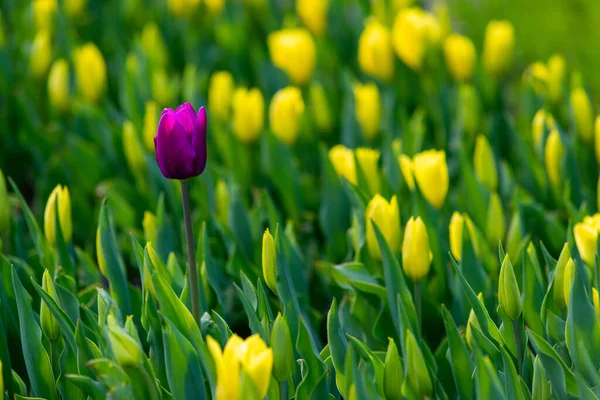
{"x":283,"y":390}
{"x":417,"y":295}
{"x":516,"y":330}
{"x":189,"y":235}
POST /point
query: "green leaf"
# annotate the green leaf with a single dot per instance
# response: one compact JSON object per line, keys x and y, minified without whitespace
{"x":487,"y":381}
{"x":253,"y":320}
{"x":336,"y":339}
{"x":512,"y":385}
{"x":355,"y":275}
{"x":87,"y":385}
{"x":458,"y":355}
{"x":314,"y":368}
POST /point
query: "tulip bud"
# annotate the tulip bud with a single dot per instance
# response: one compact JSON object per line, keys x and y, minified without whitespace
{"x":586,"y":239}
{"x":387,"y":217}
{"x":269,"y":261}
{"x":4,"y":205}
{"x":222,"y":195}
{"x":509,"y":296}
{"x":375,"y":51}
{"x":406,"y":167}
{"x":553,"y":156}
{"x":74,"y":8}
{"x":495,"y":220}
{"x":583,"y":114}
{"x":416,"y":254}
{"x":41,"y":54}
{"x":472,"y":321}
{"x":126,"y":350}
{"x":597,"y":138}
{"x":321,"y":110}
{"x":248,"y":114}
{"x":165,"y":88}
{"x":568,"y":280}
{"x":61,"y":195}
{"x":182,"y":8}
{"x":485,"y":166}
{"x":558,"y":291}
{"x":58,"y":85}
{"x":43,"y":14}
{"x":49,"y":324}
{"x":368,"y":109}
{"x":283,"y":352}
{"x":537,"y":75}
{"x":514,"y":236}
{"x":541,"y":121}
{"x":498,"y":47}
{"x":285,"y":111}
{"x":130,"y":328}
{"x":294,"y":52}
{"x":90,"y":71}
{"x":220,"y":93}
{"x":456,"y":226}
{"x":417,"y":374}
{"x":150,"y":123}
{"x":459,"y":52}
{"x":342,"y":159}
{"x":368,"y":160}
{"x":414,"y":32}
{"x":431,"y":173}
{"x":469,"y":108}
{"x":154,"y":46}
{"x":215,"y":7}
{"x":556,"y":75}
{"x":134,"y":152}
{"x":393,"y":373}
{"x":313,"y":14}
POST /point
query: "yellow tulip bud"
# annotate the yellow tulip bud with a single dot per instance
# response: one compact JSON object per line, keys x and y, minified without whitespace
{"x":4,"y":205}
{"x":248,"y":114}
{"x":269,"y":261}
{"x":541,"y":121}
{"x":414,"y":32}
{"x":553,"y":156}
{"x":416,"y":254}
{"x":457,"y":222}
{"x":498,"y":47}
{"x":283,"y":351}
{"x":556,"y":75}
{"x":514,"y":236}
{"x":537,"y":74}
{"x":558,"y":287}
{"x":150,"y":124}
{"x":134,"y":152}
{"x":59,"y":195}
{"x":154,"y":45}
{"x":165,"y":88}
{"x":417,"y":374}
{"x":431,"y":173}
{"x":583,"y":114}
{"x":472,"y":321}
{"x":215,"y":7}
{"x":222,"y":195}
{"x":313,"y":14}
{"x":368,"y":160}
{"x":568,"y":280}
{"x":495,"y":227}
{"x":387,"y":217}
{"x":375,"y":51}
{"x":220,"y":94}
{"x":58,"y":85}
{"x":321,"y":111}
{"x":294,"y":52}
{"x":49,"y":324}
{"x":285,"y":111}
{"x":597,"y":138}
{"x":406,"y":167}
{"x":509,"y":296}
{"x":90,"y":71}
{"x":393,"y":373}
{"x":43,"y":13}
{"x":595,"y":300}
{"x":342,"y":159}
{"x":485,"y":166}
{"x":586,"y":239}
{"x":126,"y":349}
{"x":368,"y":109}
{"x":182,"y":8}
{"x":74,"y":8}
{"x":469,"y":108}
{"x":41,"y":54}
{"x":459,"y":52}
{"x":400,"y":4}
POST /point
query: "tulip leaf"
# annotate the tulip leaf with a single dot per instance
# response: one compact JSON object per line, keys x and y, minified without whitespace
{"x":336,"y":339}
{"x":254,"y":321}
{"x":355,"y":275}
{"x":87,"y":385}
{"x":487,"y":381}
{"x":240,"y":224}
{"x":458,"y":355}
{"x":314,"y":368}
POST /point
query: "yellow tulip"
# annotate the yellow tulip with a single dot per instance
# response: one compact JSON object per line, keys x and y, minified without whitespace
{"x":542,"y":120}
{"x":154,"y":46}
{"x":586,"y":239}
{"x":375,"y":51}
{"x":215,"y":7}
{"x":74,"y":8}
{"x":48,"y":321}
{"x":43,"y":13}
{"x":182,"y":8}
{"x":568,"y":280}
{"x":472,"y":321}
{"x":558,"y":287}
{"x":220,"y":94}
{"x":251,"y":356}
{"x":269,"y":261}
{"x":583,"y":114}
{"x":285,"y":111}
{"x":313,"y":14}
{"x":414,"y":32}
{"x":416,"y":254}
{"x":58,"y":85}
{"x":90,"y":71}
{"x":367,"y":102}
{"x":553,"y":156}
{"x":248,"y":114}
{"x":387,"y":217}
{"x":406,"y":167}
{"x":59,"y":195}
{"x":150,"y":124}
{"x":498,"y":47}
{"x":41,"y":54}
{"x":537,"y":74}
{"x":368,"y":160}
{"x":342,"y":159}
{"x":294,"y":52}
{"x":556,"y":74}
{"x":431,"y":173}
{"x":459,"y":52}
{"x":457,"y":223}
{"x":485,"y":166}
{"x":400,"y":4}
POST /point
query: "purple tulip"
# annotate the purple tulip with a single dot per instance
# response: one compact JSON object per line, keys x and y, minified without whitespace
{"x":180,"y":142}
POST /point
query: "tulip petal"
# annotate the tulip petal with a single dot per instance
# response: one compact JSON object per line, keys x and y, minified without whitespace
{"x":199,"y":142}
{"x":174,"y":153}
{"x":187,"y":118}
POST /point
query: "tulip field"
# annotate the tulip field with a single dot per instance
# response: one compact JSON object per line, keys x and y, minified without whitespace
{"x":298,"y":199}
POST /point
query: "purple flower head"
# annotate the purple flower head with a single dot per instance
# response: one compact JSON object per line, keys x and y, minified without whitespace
{"x":180,"y":142}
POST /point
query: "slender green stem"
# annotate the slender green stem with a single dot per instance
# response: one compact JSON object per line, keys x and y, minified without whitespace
{"x":518,"y":344}
{"x":283,"y":390}
{"x":417,"y":298}
{"x":191,"y":250}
